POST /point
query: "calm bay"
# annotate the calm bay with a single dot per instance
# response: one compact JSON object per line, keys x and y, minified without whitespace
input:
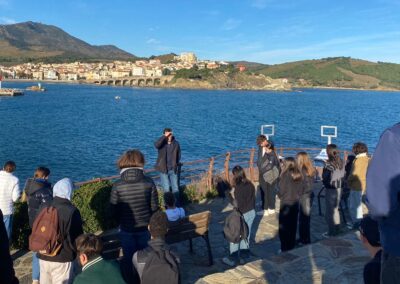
{"x":79,"y":131}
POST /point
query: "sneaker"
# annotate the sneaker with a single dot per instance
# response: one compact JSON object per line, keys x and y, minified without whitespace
{"x":279,"y":251}
{"x":263,"y":213}
{"x":349,"y":226}
{"x":326,"y":235}
{"x":271,"y":211}
{"x":228,"y":261}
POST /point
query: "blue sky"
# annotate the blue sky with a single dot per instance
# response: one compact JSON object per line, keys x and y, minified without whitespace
{"x":267,"y":31}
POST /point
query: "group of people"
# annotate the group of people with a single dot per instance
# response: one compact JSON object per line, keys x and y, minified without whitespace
{"x":359,"y":181}
{"x":134,"y":204}
{"x":143,"y":225}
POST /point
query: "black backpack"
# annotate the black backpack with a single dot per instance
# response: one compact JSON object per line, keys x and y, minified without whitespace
{"x":161,"y":268}
{"x":235,"y":228}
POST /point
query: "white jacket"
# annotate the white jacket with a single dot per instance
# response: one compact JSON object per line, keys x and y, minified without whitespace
{"x":9,"y":192}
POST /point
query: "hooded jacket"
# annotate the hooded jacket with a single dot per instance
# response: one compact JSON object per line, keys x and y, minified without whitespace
{"x":38,"y":193}
{"x":383,"y":188}
{"x":161,"y":145}
{"x":134,"y":199}
{"x":69,"y":221}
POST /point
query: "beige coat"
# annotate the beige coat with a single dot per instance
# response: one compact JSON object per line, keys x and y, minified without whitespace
{"x":357,"y":179}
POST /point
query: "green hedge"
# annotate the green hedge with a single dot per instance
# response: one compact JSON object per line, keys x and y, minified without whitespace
{"x":92,"y":201}
{"x":21,"y":229}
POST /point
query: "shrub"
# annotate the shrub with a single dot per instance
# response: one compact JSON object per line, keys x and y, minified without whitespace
{"x":92,"y":200}
{"x":21,"y":229}
{"x":196,"y":193}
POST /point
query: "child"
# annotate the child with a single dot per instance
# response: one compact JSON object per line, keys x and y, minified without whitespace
{"x":173,"y":213}
{"x":290,"y":187}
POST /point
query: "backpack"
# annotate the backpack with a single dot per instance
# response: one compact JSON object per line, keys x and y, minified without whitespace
{"x":337,"y":177}
{"x":161,"y":268}
{"x":235,"y":227}
{"x":46,"y":238}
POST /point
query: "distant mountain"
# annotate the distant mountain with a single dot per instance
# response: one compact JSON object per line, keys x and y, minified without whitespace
{"x":342,"y":72}
{"x":31,"y":41}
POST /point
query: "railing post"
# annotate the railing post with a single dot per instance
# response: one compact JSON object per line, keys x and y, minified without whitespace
{"x":226,"y":165}
{"x":251,"y":163}
{"x":210,"y":173}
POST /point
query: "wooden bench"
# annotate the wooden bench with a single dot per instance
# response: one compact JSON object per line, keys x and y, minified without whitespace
{"x":190,"y":227}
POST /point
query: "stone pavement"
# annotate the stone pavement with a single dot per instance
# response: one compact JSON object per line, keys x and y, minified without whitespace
{"x":337,"y":259}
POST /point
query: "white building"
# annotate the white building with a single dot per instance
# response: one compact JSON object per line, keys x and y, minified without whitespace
{"x":138,"y":71}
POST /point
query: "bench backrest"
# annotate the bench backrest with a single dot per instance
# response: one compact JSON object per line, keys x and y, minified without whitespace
{"x":191,"y":226}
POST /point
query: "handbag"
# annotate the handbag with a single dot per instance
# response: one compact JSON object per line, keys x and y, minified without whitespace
{"x":271,"y":176}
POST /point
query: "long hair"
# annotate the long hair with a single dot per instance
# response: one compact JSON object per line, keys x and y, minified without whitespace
{"x":239,"y":176}
{"x":334,"y":156}
{"x":291,"y":167}
{"x":304,"y":164}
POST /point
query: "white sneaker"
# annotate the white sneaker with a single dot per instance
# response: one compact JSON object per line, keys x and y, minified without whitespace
{"x":271,"y":211}
{"x":263,"y":213}
{"x":228,"y":261}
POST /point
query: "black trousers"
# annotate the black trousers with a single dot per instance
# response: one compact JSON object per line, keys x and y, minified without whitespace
{"x":304,"y":218}
{"x":268,"y":194}
{"x":288,"y":215}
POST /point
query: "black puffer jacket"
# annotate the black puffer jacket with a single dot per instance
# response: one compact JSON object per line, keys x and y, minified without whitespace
{"x":38,"y":193}
{"x":134,"y":199}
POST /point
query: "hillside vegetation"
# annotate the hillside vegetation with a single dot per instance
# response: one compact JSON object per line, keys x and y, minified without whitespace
{"x":336,"y":72}
{"x":33,"y":42}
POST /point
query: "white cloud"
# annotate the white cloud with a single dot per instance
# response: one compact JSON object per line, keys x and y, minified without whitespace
{"x":152,"y":41}
{"x":231,"y":24}
{"x":7,"y":21}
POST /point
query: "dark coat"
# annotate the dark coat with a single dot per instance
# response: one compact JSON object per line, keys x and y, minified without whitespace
{"x":140,"y":257}
{"x":267,"y":162}
{"x":134,"y":199}
{"x":289,"y":190}
{"x":161,"y":145}
{"x":38,"y":193}
{"x":7,"y":273}
{"x":245,"y":196}
{"x":70,"y":223}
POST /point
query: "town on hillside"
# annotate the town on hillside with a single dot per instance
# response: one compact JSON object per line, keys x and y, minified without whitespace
{"x":111,"y":70}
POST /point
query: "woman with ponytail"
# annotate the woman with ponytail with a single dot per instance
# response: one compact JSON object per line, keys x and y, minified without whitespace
{"x":333,"y":180}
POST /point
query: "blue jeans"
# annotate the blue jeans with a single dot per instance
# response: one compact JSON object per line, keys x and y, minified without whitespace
{"x":169,"y":179}
{"x":356,"y":212}
{"x":131,"y":243}
{"x":248,"y":218}
{"x":35,"y":267}
{"x":7,"y":219}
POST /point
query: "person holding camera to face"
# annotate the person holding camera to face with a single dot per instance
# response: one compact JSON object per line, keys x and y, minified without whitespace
{"x":169,"y":156}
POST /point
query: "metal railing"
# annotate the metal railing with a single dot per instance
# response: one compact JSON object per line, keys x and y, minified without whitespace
{"x":206,"y":170}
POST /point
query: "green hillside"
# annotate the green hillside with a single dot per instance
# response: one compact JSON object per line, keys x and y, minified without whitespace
{"x":336,"y":72}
